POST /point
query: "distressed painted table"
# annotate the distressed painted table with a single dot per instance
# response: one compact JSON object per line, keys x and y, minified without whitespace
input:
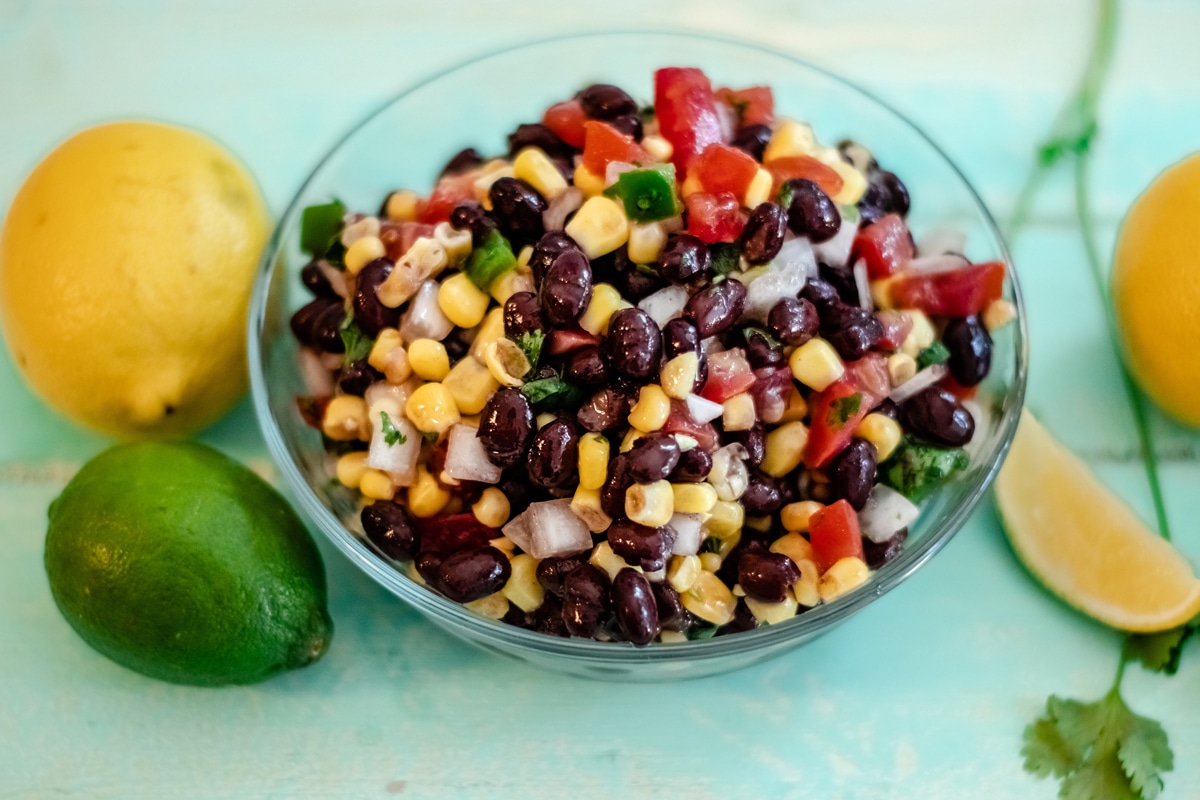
{"x":923,"y":695}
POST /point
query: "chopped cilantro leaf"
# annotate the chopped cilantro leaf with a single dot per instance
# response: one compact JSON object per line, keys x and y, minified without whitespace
{"x":706,"y":632}
{"x":320,"y":227}
{"x":786,"y":195}
{"x":936,"y":353}
{"x":358,"y":344}
{"x":915,"y":469}
{"x":1160,"y":651}
{"x":724,"y":256}
{"x":391,"y":434}
{"x":552,"y":392}
{"x":711,"y":544}
{"x":531,"y":345}
{"x":842,"y":409}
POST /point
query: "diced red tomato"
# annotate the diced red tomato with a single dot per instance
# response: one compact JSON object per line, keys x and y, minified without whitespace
{"x":836,"y":412}
{"x":566,"y":340}
{"x":397,"y":237}
{"x":754,"y":105}
{"x":788,"y":167}
{"x":686,"y":112}
{"x":885,"y":245}
{"x":870,"y":376}
{"x":834,"y":534}
{"x":729,"y":374}
{"x":602,"y":143}
{"x":447,"y":535}
{"x":952,"y":293}
{"x":957,"y":389}
{"x":566,"y":120}
{"x":680,"y":421}
{"x":714,"y":217}
{"x":896,"y":327}
{"x":448,"y":193}
{"x":721,"y":168}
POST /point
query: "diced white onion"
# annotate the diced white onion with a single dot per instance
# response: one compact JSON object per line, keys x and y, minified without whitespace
{"x":928,"y":265}
{"x":664,"y":305}
{"x":672,"y":224}
{"x":614,"y":170}
{"x":424,"y":318}
{"x":317,"y":378}
{"x":863,"y":285}
{"x":554,"y":218}
{"x":703,"y":410}
{"x":781,"y":279}
{"x":836,"y":251}
{"x":918,"y":383}
{"x":399,"y":459}
{"x":466,"y":458}
{"x":797,"y":252}
{"x":517,"y":529}
{"x":942,"y":240}
{"x":886,"y":512}
{"x":555,"y":530}
{"x":687,"y":528}
{"x":729,"y":474}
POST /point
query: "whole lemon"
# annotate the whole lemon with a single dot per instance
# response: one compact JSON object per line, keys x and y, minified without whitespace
{"x":178,"y":562}
{"x":1156,"y":289}
{"x":126,"y":265}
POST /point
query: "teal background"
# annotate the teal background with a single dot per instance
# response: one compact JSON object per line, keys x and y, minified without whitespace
{"x":924,"y":694}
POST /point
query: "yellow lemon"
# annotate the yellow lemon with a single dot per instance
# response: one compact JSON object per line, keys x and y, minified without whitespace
{"x":1084,"y":544}
{"x":126,"y":264}
{"x":1156,"y":289}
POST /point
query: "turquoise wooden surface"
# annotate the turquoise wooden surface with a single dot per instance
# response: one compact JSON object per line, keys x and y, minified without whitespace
{"x":925,"y":694}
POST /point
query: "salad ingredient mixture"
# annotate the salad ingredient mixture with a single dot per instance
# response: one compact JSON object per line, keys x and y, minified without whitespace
{"x":655,"y":374}
{"x":126,"y":262}
{"x":178,"y":562}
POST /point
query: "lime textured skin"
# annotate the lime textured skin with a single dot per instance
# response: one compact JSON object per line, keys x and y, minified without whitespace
{"x":178,"y":562}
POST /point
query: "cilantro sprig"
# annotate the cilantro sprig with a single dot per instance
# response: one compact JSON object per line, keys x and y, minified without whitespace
{"x":391,"y":434}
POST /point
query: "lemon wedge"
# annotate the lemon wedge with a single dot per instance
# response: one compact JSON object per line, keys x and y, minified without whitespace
{"x":1084,"y":544}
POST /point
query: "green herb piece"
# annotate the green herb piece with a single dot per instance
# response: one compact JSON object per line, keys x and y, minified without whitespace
{"x":936,"y":353}
{"x":849,"y":212}
{"x":320,"y":227}
{"x":754,"y":330}
{"x":1160,"y":652}
{"x":391,"y":434}
{"x":358,"y":344}
{"x":843,"y":409}
{"x":697,"y":634}
{"x":490,"y":260}
{"x":711,"y":544}
{"x":552,"y":392}
{"x":786,"y":195}
{"x":430,"y":437}
{"x":917,"y":468}
{"x":531,"y":345}
{"x":647,"y":194}
{"x":724,"y":258}
{"x":649,"y":270}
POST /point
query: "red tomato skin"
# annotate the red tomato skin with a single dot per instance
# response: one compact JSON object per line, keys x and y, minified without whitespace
{"x":721,"y":168}
{"x":869,"y":376}
{"x":681,"y":421}
{"x":835,"y":534}
{"x":885,"y":245}
{"x":954,"y":293}
{"x":687,"y":113}
{"x":957,"y":389}
{"x":729,"y":374}
{"x":398,"y":237}
{"x":788,"y":167}
{"x":566,"y":119}
{"x":754,"y":105}
{"x":602,"y":144}
{"x":568,"y":340}
{"x":714,"y":217}
{"x":448,"y":193}
{"x":829,"y":433}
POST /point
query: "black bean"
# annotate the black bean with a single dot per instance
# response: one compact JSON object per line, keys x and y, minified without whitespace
{"x":753,"y":139}
{"x":754,"y":440}
{"x":506,"y":427}
{"x":554,"y":454}
{"x":857,"y":155}
{"x":585,"y":599}
{"x":633,"y":346}
{"x":428,"y":562}
{"x":693,"y":467}
{"x":684,"y":258}
{"x":640,"y":545}
{"x":566,"y":288}
{"x":679,"y":337}
{"x":522,"y":314}
{"x":728,"y":571}
{"x":762,"y":495}
{"x":671,"y":613}
{"x":793,"y":320}
{"x":885,"y":194}
{"x":767,"y":576}
{"x":548,"y":248}
{"x":390,"y":528}
{"x":936,"y":416}
{"x":586,"y":367}
{"x":318,"y":324}
{"x":371,"y":315}
{"x":887,"y":406}
{"x":516,"y":487}
{"x":538,"y":135}
{"x":605,"y":101}
{"x":743,"y":620}
{"x":851,"y":330}
{"x":629,"y":124}
{"x":820,"y":294}
{"x":617,"y":482}
{"x":842,"y":280}
{"x":604,"y":412}
{"x":653,"y":457}
{"x":315,"y":280}
{"x":548,"y":618}
{"x":551,"y":571}
{"x":763,"y":235}
{"x":632,"y":280}
{"x":463,"y":160}
{"x":473,"y":573}
{"x":518,"y":208}
{"x":876,"y":555}
{"x":761,"y":351}
{"x":714,"y":309}
{"x":970,"y":348}
{"x":472,"y":217}
{"x":357,"y":377}
{"x":852,"y":473}
{"x":812,"y":213}
{"x":634,"y":607}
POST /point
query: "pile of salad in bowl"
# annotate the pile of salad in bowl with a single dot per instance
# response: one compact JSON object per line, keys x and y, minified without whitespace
{"x":655,"y":374}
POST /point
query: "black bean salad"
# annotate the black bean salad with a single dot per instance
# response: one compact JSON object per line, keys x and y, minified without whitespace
{"x":655,"y":374}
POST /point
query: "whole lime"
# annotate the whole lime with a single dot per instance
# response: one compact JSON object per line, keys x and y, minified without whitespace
{"x":176,"y":561}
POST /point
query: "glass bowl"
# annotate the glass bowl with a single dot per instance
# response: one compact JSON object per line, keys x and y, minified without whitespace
{"x":405,"y":143}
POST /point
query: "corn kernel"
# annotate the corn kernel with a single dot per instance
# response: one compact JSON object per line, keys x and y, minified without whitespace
{"x":650,"y":504}
{"x":363,"y":252}
{"x":402,"y":206}
{"x":646,"y":242}
{"x":784,"y":449}
{"x":682,"y":572}
{"x":456,"y":243}
{"x":524,"y":256}
{"x":854,"y":183}
{"x":921,"y":336}
{"x":432,"y":409}
{"x":816,"y":364}
{"x":843,"y":576}
{"x":428,"y":359}
{"x":710,"y":562}
{"x":658,"y":147}
{"x":794,"y":546}
{"x":603,"y":558}
{"x":631,"y":436}
{"x":389,"y":356}
{"x":795,"y":407}
{"x":504,"y":543}
{"x":738,"y":413}
{"x":693,"y":498}
{"x":470,"y":383}
{"x":795,"y":516}
{"x":377,"y":485}
{"x":998,"y":314}
{"x":678,"y":375}
{"x":881,"y":293}
{"x":492,"y":508}
{"x":761,"y":524}
{"x":881,"y":431}
{"x":759,"y":190}
{"x":367,"y":226}
{"x":691,"y":185}
{"x":522,"y":588}
{"x":425,"y":259}
{"x":651,"y":410}
{"x":599,"y":227}
{"x":605,"y":302}
{"x":545,"y":418}
{"x":351,"y":467}
{"x":462,"y":301}
{"x":491,"y":329}
{"x":805,"y":589}
{"x":426,"y":497}
{"x":533,"y":166}
{"x":593,"y":460}
{"x":507,"y":362}
{"x":588,"y":182}
{"x":710,"y":599}
{"x":725,"y":518}
{"x":901,"y":368}
{"x":673,"y":637}
{"x":494,"y":606}
{"x":585,"y":504}
{"x":773,"y":613}
{"x":791,"y":138}
{"x":346,"y":419}
{"x":511,"y":282}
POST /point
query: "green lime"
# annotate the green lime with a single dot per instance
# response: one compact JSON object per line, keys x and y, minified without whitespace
{"x":178,"y":562}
